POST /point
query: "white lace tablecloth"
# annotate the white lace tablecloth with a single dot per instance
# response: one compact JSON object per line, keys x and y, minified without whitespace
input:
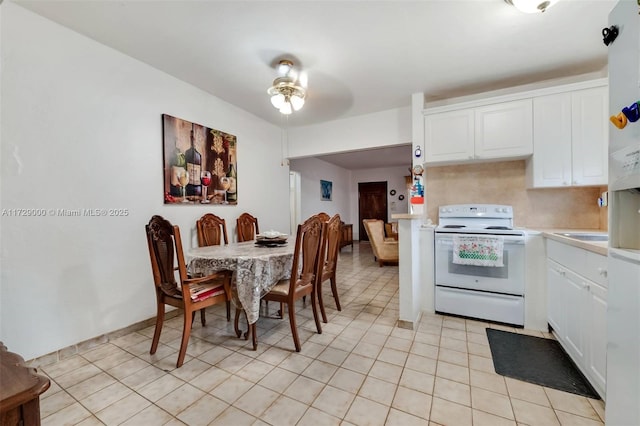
{"x":256,"y":269}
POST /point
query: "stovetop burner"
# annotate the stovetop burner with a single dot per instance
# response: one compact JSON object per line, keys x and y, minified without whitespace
{"x":487,"y":219}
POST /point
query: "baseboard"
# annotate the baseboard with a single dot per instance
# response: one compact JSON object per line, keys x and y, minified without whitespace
{"x":86,"y":345}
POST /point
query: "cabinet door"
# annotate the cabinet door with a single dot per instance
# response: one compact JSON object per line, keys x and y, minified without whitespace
{"x":504,"y":130}
{"x":597,"y":337}
{"x":555,"y":297}
{"x":449,"y":136}
{"x":590,"y":126}
{"x":575,"y":306}
{"x":551,"y":162}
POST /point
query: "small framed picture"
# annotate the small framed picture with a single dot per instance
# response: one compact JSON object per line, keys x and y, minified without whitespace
{"x":326,"y":187}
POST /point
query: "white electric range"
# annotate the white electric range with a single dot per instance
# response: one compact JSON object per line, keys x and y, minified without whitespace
{"x":480,"y":263}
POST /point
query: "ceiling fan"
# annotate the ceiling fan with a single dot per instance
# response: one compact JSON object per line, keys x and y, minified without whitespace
{"x":287,"y":91}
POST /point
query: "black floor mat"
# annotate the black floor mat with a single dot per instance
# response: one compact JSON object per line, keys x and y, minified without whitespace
{"x":537,"y":360}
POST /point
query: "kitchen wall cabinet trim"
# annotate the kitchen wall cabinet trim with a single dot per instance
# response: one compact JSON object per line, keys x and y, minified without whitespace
{"x":490,"y":98}
{"x":577,"y":307}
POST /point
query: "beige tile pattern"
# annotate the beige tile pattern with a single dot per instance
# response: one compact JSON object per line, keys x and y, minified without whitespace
{"x":504,"y":183}
{"x":362,"y":370}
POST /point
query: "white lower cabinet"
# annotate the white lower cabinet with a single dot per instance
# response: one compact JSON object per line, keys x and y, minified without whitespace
{"x":577,"y":307}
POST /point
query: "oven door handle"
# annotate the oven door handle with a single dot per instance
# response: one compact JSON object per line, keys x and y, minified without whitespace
{"x":447,"y":240}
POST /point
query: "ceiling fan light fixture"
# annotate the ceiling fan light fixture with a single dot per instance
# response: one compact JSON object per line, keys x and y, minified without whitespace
{"x":531,"y":6}
{"x":286,"y":108}
{"x":277,"y":100}
{"x":287,"y":95}
{"x":297,"y":102}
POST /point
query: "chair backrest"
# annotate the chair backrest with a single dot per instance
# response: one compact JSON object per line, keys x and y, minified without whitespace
{"x":375,"y":232}
{"x":309,"y":250}
{"x":247,"y":227}
{"x":324,"y":217}
{"x":212,"y":230}
{"x":332,"y":237}
{"x":165,"y":248}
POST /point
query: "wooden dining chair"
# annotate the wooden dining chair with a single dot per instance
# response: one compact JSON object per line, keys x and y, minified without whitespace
{"x":324,"y":217}
{"x":331,"y":243}
{"x":247,"y":227}
{"x":308,"y":251}
{"x":212,"y":231}
{"x":189,"y":294}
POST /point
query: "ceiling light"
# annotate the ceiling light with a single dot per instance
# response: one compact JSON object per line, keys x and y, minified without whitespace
{"x":287,"y":95}
{"x":531,"y":6}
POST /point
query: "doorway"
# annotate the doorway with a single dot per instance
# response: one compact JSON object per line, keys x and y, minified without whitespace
{"x":372,"y":204}
{"x":295,"y":203}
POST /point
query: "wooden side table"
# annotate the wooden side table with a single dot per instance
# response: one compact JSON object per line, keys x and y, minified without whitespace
{"x":20,"y":389}
{"x":346,"y":237}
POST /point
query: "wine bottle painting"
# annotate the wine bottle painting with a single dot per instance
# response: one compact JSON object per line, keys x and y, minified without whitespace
{"x":200,"y":164}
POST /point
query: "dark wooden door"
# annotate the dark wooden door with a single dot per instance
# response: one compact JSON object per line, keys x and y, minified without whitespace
{"x":372,"y":204}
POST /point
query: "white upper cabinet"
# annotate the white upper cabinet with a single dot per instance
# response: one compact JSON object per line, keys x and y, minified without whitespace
{"x":449,"y":136}
{"x":499,"y":130}
{"x":562,"y":132}
{"x":590,"y":129}
{"x":504,"y":130}
{"x":570,"y":136}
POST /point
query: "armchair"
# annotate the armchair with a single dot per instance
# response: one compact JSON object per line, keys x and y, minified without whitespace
{"x":385,"y":250}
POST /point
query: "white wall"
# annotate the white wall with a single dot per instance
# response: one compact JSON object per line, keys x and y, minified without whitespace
{"x":311,"y":172}
{"x":81,"y":128}
{"x":345,"y":188}
{"x":380,"y":129}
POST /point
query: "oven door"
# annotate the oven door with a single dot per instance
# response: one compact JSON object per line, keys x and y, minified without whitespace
{"x":508,"y":279}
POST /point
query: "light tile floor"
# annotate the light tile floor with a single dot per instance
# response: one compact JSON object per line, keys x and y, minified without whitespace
{"x":362,"y":370}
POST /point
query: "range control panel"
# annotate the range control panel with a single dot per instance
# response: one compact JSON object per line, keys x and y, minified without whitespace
{"x":477,"y":210}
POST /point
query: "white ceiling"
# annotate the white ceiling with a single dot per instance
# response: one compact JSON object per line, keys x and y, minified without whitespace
{"x":359,"y":56}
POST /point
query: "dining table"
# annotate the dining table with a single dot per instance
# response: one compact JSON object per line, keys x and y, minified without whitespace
{"x":256,"y":267}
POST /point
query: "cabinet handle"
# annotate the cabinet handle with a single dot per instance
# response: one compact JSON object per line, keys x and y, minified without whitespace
{"x":565,"y":183}
{"x":575,"y":182}
{"x":603,"y":272}
{"x":471,"y":157}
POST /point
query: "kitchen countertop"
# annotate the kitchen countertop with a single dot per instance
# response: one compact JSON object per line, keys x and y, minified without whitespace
{"x":600,"y":247}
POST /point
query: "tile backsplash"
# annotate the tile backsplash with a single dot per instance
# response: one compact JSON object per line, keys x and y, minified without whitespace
{"x":504,"y":183}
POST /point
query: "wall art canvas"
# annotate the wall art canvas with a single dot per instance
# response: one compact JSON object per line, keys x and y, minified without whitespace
{"x":200,"y":164}
{"x":326,"y":187}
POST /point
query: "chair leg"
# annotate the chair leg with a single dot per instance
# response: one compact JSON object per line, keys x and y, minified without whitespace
{"x":186,"y":331}
{"x":314,"y":303}
{"x":254,"y":335}
{"x":294,"y":326}
{"x":236,"y":321}
{"x":334,"y":291}
{"x":228,"y":310}
{"x":321,"y":302}
{"x":156,"y":333}
{"x":203,"y":320}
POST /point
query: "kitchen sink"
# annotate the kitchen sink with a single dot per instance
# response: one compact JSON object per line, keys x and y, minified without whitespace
{"x":584,"y":236}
